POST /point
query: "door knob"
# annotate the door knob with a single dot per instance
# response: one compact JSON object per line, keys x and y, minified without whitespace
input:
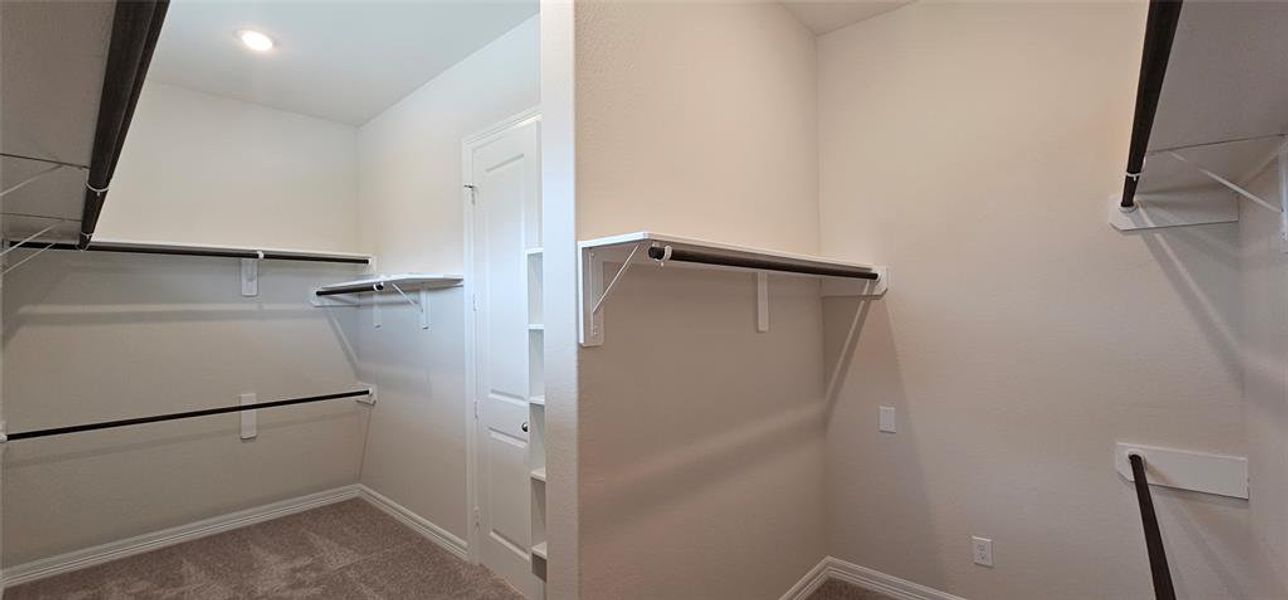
{"x":524,"y":426}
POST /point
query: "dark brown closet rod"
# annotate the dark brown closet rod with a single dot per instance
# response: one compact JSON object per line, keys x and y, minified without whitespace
{"x":1163,"y":589}
{"x":1160,"y":30}
{"x":782,"y":265}
{"x":39,"y":433}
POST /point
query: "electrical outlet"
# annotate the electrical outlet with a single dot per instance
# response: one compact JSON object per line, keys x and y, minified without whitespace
{"x":887,"y":419}
{"x":981,"y":550}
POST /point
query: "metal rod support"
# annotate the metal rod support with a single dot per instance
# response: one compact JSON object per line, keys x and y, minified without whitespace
{"x":1163,"y":589}
{"x":762,"y":264}
{"x":39,"y":433}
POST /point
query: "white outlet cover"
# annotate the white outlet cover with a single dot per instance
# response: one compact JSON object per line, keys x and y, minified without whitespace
{"x":981,"y":551}
{"x":887,"y":419}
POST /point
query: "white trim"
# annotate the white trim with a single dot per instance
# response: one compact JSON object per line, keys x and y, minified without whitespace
{"x":869,"y":579}
{"x":444,"y":538}
{"x":809,"y":583}
{"x":97,"y":555}
{"x":500,"y":128}
{"x":468,"y":145}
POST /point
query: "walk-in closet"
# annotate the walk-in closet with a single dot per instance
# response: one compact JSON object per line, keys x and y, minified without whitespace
{"x":643,"y":300}
{"x":252,"y":248}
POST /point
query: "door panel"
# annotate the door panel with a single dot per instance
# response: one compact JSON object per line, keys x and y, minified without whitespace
{"x":505,"y":176}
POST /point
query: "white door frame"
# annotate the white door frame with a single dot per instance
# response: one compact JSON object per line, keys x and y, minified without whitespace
{"x":468,"y":145}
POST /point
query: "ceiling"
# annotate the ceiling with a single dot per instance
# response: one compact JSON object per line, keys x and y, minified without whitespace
{"x":826,"y":17}
{"x":341,"y":61}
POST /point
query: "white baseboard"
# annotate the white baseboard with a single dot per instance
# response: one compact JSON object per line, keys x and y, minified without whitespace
{"x":809,"y":583}
{"x":421,"y":525}
{"x":97,"y":555}
{"x":869,"y":579}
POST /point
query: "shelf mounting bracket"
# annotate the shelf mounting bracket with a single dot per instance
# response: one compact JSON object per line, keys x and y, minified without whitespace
{"x":422,"y":307}
{"x":250,"y":275}
{"x":762,"y":302}
{"x":1181,"y":209}
{"x":594,"y":293}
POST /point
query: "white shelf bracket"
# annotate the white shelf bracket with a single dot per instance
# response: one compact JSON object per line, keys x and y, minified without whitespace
{"x":250,"y":275}
{"x":1283,"y":196}
{"x":1216,"y":474}
{"x":369,"y":399}
{"x":1176,"y":209}
{"x":1226,"y":182}
{"x":594,"y":293}
{"x":762,"y":302}
{"x":421,"y":307}
{"x":249,"y":418}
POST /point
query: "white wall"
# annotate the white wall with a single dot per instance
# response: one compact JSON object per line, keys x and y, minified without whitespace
{"x":559,"y":296}
{"x":1264,"y":287}
{"x":971,"y":147}
{"x":92,"y":337}
{"x":700,"y":454}
{"x":696,"y":119}
{"x":97,"y":336}
{"x":412,"y":203}
{"x":206,"y":169}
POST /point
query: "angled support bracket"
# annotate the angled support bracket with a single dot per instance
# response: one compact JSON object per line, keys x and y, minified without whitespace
{"x":594,"y":292}
{"x":422,"y":307}
{"x":30,"y":180}
{"x":1179,"y":209}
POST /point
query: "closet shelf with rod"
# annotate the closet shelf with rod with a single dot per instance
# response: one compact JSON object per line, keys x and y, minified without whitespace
{"x":400,"y":283}
{"x":250,"y":257}
{"x":210,"y":251}
{"x":1191,"y":155}
{"x":839,"y":277}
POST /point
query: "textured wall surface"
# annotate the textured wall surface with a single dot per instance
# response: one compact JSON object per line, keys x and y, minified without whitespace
{"x":412,"y":203}
{"x":972,"y":148}
{"x":701,"y":440}
{"x":206,"y":169}
{"x":96,"y":336}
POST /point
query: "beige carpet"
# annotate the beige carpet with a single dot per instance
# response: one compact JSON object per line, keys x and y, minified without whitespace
{"x":839,"y":590}
{"x":345,"y":551}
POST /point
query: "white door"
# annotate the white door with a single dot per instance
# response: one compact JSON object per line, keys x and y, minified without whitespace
{"x":504,"y":171}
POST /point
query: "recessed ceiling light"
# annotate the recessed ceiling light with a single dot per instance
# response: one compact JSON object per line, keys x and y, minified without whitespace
{"x":255,"y":40}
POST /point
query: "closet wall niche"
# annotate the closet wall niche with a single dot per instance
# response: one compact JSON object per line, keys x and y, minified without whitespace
{"x":284,"y":226}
